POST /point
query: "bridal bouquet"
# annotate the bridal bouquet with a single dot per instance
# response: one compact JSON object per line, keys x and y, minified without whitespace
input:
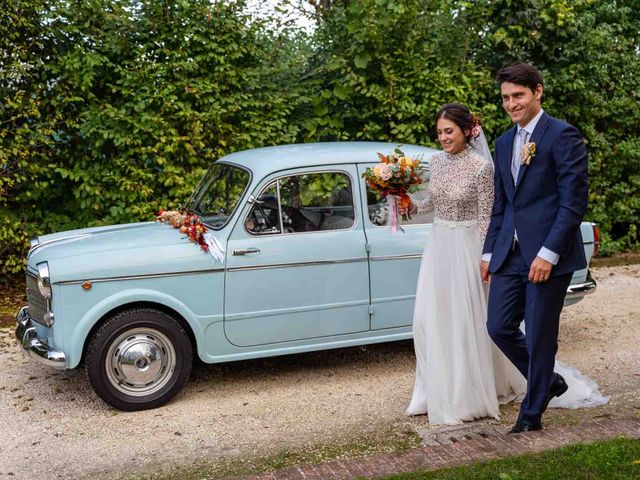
{"x":394,"y":178}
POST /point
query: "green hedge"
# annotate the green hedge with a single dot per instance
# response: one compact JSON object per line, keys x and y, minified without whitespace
{"x":113,"y":109}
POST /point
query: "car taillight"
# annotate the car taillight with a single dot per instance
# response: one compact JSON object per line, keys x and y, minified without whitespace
{"x":596,"y":238}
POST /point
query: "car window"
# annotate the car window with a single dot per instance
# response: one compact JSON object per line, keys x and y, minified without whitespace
{"x":308,"y":203}
{"x":379,"y":211}
{"x":218,"y":194}
{"x":264,"y":219}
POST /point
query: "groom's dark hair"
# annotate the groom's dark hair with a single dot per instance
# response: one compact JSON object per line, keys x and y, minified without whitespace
{"x":520,"y":74}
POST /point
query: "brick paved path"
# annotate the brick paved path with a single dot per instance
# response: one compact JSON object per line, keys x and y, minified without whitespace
{"x":458,"y":450}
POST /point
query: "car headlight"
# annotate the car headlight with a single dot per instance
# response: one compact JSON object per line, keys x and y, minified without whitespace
{"x":44,"y":280}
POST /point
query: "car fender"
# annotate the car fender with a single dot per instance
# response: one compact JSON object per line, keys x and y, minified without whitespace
{"x":101,"y":309}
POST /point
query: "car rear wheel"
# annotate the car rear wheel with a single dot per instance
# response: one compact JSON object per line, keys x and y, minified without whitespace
{"x":138,"y":359}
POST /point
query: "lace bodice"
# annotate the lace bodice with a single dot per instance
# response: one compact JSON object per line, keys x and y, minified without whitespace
{"x":460,"y":188}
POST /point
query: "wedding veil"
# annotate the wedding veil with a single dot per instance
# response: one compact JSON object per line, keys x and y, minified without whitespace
{"x":480,"y":145}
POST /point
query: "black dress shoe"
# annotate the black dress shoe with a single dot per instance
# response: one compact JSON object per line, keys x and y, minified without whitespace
{"x":557,"y":388}
{"x":523,"y":427}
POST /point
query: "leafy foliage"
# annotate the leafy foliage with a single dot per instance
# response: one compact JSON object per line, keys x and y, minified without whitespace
{"x":589,"y":52}
{"x":113,"y":109}
{"x":382,"y":69}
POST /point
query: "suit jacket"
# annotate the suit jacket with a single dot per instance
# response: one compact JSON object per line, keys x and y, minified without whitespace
{"x":548,"y":201}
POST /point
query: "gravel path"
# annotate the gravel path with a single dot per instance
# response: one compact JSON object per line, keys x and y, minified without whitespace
{"x":54,"y":425}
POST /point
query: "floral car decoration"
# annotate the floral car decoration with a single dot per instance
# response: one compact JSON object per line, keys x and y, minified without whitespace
{"x":187,"y":223}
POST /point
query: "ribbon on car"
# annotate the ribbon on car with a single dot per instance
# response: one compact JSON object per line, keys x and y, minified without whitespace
{"x":215,"y":247}
{"x":394,"y":221}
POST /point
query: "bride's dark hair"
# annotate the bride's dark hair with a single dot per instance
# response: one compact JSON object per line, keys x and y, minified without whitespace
{"x":461,"y":116}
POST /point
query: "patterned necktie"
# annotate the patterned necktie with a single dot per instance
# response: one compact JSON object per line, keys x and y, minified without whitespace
{"x":515,"y":160}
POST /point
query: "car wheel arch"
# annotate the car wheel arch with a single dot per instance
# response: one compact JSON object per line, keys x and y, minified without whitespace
{"x":90,"y":320}
{"x":135,"y":305}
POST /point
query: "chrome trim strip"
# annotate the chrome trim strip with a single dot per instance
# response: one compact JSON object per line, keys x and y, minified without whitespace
{"x":399,"y":298}
{"x":297,"y":264}
{"x":229,"y":317}
{"x":27,"y":337}
{"x":33,"y":243}
{"x":279,"y":205}
{"x":397,"y":257}
{"x":55,"y":240}
{"x":138,"y":277}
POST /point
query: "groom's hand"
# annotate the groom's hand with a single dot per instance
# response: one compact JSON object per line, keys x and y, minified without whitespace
{"x":540,"y":270}
{"x":484,"y":271}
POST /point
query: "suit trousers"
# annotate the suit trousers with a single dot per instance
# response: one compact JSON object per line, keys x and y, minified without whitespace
{"x":512,"y":298}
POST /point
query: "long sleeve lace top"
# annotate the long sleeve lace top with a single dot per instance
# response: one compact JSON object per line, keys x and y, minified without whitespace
{"x":460,"y":189}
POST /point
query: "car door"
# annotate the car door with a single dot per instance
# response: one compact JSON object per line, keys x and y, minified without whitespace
{"x":296,"y":260}
{"x":394,"y":259}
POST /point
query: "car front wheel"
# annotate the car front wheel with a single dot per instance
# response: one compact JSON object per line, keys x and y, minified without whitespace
{"x":138,"y":359}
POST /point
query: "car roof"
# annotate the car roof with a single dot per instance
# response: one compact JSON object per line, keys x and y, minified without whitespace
{"x":281,"y":157}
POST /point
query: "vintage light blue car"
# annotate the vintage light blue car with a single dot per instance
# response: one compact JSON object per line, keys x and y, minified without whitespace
{"x":308,"y":264}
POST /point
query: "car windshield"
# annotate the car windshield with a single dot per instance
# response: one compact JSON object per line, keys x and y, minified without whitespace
{"x":218,"y":194}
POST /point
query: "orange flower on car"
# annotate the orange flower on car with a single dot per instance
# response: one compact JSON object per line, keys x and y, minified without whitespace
{"x":187,"y":223}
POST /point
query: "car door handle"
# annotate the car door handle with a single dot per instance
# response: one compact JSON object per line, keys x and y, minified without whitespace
{"x":244,"y":251}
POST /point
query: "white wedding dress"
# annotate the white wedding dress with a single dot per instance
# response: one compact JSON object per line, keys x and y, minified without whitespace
{"x":460,"y":374}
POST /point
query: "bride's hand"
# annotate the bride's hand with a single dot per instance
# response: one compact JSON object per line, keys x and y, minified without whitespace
{"x":404,"y":211}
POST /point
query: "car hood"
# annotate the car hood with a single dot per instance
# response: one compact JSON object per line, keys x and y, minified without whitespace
{"x":121,"y":250}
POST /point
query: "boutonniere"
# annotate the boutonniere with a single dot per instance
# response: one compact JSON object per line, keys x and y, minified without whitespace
{"x":527,"y":152}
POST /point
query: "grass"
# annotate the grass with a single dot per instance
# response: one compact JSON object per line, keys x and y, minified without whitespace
{"x":612,"y":459}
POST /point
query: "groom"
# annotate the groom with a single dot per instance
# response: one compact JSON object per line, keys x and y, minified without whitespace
{"x":533,"y":245}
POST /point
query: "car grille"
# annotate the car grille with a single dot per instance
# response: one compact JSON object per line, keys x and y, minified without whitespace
{"x":37,"y":303}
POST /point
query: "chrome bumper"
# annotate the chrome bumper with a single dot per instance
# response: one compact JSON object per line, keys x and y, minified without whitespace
{"x":27,"y":336}
{"x":579,"y":290}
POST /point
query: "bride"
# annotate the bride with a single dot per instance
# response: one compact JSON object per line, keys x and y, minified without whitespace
{"x":460,"y":374}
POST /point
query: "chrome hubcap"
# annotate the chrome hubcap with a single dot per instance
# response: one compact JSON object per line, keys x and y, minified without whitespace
{"x":140,"y":362}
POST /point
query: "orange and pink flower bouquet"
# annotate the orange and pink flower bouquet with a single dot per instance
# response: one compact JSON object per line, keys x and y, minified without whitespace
{"x":394,"y":178}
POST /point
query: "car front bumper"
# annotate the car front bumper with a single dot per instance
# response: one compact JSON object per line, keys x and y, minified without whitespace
{"x":35,"y":347}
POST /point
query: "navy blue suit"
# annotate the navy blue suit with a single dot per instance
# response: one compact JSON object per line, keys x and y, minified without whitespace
{"x":546,"y":207}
